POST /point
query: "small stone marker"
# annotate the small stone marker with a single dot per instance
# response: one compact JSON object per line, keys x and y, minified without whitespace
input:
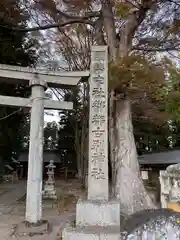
{"x":49,"y":188}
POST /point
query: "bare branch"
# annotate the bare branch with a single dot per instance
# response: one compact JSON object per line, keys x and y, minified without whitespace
{"x":84,"y":20}
{"x":156,"y":49}
{"x":87,"y":16}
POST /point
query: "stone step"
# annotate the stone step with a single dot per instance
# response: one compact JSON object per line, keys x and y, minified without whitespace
{"x":91,"y":233}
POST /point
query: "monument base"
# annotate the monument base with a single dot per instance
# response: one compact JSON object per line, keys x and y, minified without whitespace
{"x":96,"y":220}
{"x":91,"y":233}
{"x":27,"y":229}
{"x":100,"y":213}
{"x":49,"y":192}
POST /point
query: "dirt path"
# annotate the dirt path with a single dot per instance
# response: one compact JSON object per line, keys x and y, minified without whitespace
{"x":57,"y":213}
{"x":12,"y":193}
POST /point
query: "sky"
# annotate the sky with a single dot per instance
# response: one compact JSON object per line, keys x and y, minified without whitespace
{"x":52,"y":115}
{"x":48,"y":58}
{"x":50,"y":118}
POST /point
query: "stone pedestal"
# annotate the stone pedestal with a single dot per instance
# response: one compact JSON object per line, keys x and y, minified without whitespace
{"x":98,"y":213}
{"x":92,"y":233}
{"x":49,"y":187}
{"x":97,"y":218}
{"x":26,"y":229}
{"x":49,"y":192}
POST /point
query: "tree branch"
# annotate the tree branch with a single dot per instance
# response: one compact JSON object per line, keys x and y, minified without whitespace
{"x":99,"y":35}
{"x":87,"y":16}
{"x":155,"y":49}
{"x":128,"y":30}
{"x":50,"y":26}
{"x":171,"y":1}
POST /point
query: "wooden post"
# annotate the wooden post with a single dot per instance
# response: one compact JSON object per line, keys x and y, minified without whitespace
{"x":35,"y":161}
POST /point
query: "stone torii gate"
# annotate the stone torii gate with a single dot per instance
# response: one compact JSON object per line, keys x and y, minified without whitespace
{"x":39,"y":80}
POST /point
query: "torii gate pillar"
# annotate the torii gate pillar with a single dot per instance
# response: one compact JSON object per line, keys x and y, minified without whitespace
{"x":35,"y":161}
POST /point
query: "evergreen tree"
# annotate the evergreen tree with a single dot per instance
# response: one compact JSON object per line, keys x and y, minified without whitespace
{"x":150,"y":137}
{"x":66,"y":140}
{"x":50,"y":135}
{"x":175,"y":134}
{"x":15,"y":49}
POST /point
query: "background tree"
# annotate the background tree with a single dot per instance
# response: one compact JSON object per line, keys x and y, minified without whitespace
{"x":51,"y":136}
{"x":15,"y":49}
{"x":66,"y":141}
{"x":150,"y":137}
{"x":73,"y":131}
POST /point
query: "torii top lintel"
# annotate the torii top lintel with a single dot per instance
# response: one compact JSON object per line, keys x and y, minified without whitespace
{"x":56,"y":79}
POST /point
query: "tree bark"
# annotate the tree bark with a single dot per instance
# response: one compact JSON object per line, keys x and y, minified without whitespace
{"x":109,"y":27}
{"x":129,"y":187}
{"x":111,"y":128}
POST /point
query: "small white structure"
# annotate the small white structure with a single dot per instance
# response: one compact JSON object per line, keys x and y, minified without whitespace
{"x":170,"y":185}
{"x":144,"y":175}
{"x":49,"y":187}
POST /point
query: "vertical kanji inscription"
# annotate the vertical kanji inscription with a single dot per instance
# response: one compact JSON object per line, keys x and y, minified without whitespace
{"x":98,"y":125}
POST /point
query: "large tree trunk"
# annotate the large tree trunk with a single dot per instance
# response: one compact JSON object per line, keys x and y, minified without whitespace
{"x":129,"y":187}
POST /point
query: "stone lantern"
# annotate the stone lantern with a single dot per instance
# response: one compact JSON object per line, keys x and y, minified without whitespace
{"x":170,"y":187}
{"x":49,"y":187}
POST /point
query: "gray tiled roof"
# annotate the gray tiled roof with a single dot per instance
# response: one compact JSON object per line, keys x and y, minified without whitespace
{"x":48,"y":155}
{"x":166,"y":157}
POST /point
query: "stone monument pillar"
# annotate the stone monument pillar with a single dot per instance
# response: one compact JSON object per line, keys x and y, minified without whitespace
{"x":98,"y":127}
{"x":35,"y":160}
{"x":97,"y":217}
{"x":49,"y":188}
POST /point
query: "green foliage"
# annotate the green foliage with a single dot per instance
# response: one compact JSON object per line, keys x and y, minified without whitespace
{"x":50,"y":135}
{"x":122,"y":10}
{"x":175,"y":133}
{"x":136,"y":72}
{"x":173,"y":105}
{"x":173,"y":92}
{"x":149,"y":136}
{"x":153,"y":135}
{"x":154,"y":88}
{"x":73,"y":129}
{"x":143,"y":80}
